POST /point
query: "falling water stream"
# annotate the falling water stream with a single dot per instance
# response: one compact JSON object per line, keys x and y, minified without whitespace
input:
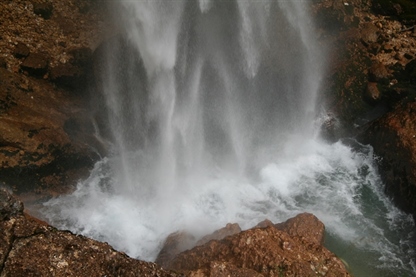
{"x":212,"y":118}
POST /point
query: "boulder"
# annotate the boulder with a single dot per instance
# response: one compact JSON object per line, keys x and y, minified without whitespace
{"x":304,"y":225}
{"x":178,"y":242}
{"x":291,"y":248}
{"x":29,"y":247}
{"x":259,"y":252}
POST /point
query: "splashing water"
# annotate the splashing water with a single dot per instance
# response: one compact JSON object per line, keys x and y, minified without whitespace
{"x":211,"y":107}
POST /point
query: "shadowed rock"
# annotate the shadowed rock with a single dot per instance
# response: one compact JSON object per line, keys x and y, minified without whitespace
{"x":35,"y":64}
{"x":43,"y":9}
{"x":394,"y":138}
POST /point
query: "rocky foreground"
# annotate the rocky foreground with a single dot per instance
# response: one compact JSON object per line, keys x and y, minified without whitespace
{"x":30,"y":247}
{"x":47,"y":142}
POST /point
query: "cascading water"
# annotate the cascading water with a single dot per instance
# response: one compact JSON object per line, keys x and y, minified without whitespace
{"x":211,"y":113}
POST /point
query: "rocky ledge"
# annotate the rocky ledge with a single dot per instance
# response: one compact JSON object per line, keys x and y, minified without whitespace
{"x":30,"y":247}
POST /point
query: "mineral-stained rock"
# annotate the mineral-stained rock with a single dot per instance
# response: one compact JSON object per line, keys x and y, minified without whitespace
{"x":259,"y":252}
{"x":30,"y":248}
{"x":34,"y":140}
{"x":304,"y":225}
{"x":394,"y":139}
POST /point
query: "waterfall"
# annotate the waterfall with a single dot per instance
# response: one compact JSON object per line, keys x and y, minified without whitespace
{"x":211,"y":114}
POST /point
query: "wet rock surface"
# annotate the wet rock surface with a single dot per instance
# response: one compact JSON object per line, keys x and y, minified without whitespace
{"x":367,"y":61}
{"x":291,"y":248}
{"x":370,"y":84}
{"x":259,"y":252}
{"x":35,"y":147}
{"x":393,"y":137}
{"x":46,"y":142}
{"x":29,"y":247}
{"x":46,"y":133}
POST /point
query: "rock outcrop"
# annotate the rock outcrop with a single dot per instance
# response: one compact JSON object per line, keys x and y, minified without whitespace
{"x":368,"y":56}
{"x":292,"y":248}
{"x":46,"y":135}
{"x":370,"y":86}
{"x":29,"y":247}
{"x":394,"y":139}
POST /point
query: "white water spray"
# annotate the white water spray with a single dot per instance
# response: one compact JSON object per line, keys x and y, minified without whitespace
{"x":211,"y":110}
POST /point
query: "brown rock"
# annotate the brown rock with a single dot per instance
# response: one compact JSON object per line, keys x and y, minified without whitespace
{"x":3,"y":62}
{"x":36,"y":137}
{"x":263,"y":224}
{"x":67,"y":75}
{"x":228,"y":230}
{"x":372,"y":93}
{"x":378,"y":73}
{"x":304,"y":225}
{"x":67,"y":26}
{"x":394,"y":139}
{"x":31,"y":248}
{"x":35,"y":64}
{"x":21,"y":50}
{"x":174,"y":244}
{"x":43,"y":9}
{"x":369,"y":34}
{"x":9,"y":206}
{"x":266,"y":251}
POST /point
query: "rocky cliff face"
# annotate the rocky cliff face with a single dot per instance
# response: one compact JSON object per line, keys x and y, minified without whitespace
{"x":46,"y":137}
{"x":370,"y":85}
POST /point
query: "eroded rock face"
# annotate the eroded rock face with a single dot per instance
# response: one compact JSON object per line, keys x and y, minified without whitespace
{"x":35,"y":146}
{"x":29,"y":247}
{"x":367,"y":60}
{"x":46,"y":132}
{"x":394,"y":139}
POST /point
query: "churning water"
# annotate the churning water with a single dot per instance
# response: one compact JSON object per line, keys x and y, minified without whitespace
{"x":211,"y":117}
